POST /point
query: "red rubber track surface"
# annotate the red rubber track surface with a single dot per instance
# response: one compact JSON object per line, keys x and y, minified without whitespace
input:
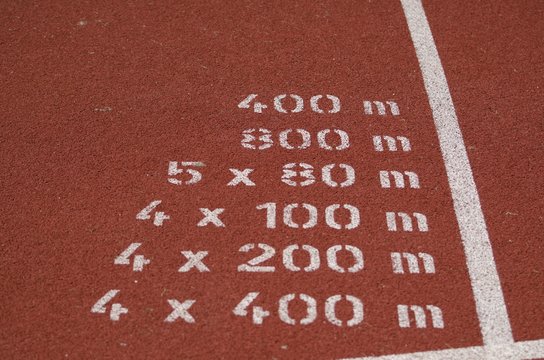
{"x":98,"y":98}
{"x":492,"y":60}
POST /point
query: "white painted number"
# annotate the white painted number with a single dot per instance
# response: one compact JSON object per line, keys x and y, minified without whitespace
{"x":288,"y":216}
{"x":270,"y":214}
{"x":264,"y":138}
{"x":116,"y":309}
{"x":257,"y":106}
{"x":322,"y":137}
{"x":292,"y":171}
{"x":292,"y":103}
{"x":311,"y":309}
{"x":159,"y":217}
{"x":295,"y":139}
{"x":139,"y":260}
{"x":313,"y":253}
{"x":312,"y":217}
{"x":330,"y":310}
{"x":304,"y":143}
{"x":332,"y":259}
{"x":253,"y":265}
{"x":258,"y":313}
{"x":278,"y":103}
{"x":314,"y":103}
{"x":313,"y":262}
{"x":326,"y":175}
{"x":354,"y":216}
{"x":186,"y":167}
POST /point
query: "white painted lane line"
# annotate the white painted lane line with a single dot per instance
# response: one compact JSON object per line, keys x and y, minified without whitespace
{"x":486,"y":286}
{"x":522,"y":350}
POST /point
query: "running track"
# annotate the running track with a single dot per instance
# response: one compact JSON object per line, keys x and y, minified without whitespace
{"x":98,"y":100}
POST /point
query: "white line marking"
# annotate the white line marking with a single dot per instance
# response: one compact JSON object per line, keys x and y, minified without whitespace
{"x":486,"y":286}
{"x":521,"y":350}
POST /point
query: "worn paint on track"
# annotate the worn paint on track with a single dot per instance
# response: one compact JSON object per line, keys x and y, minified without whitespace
{"x":98,"y":100}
